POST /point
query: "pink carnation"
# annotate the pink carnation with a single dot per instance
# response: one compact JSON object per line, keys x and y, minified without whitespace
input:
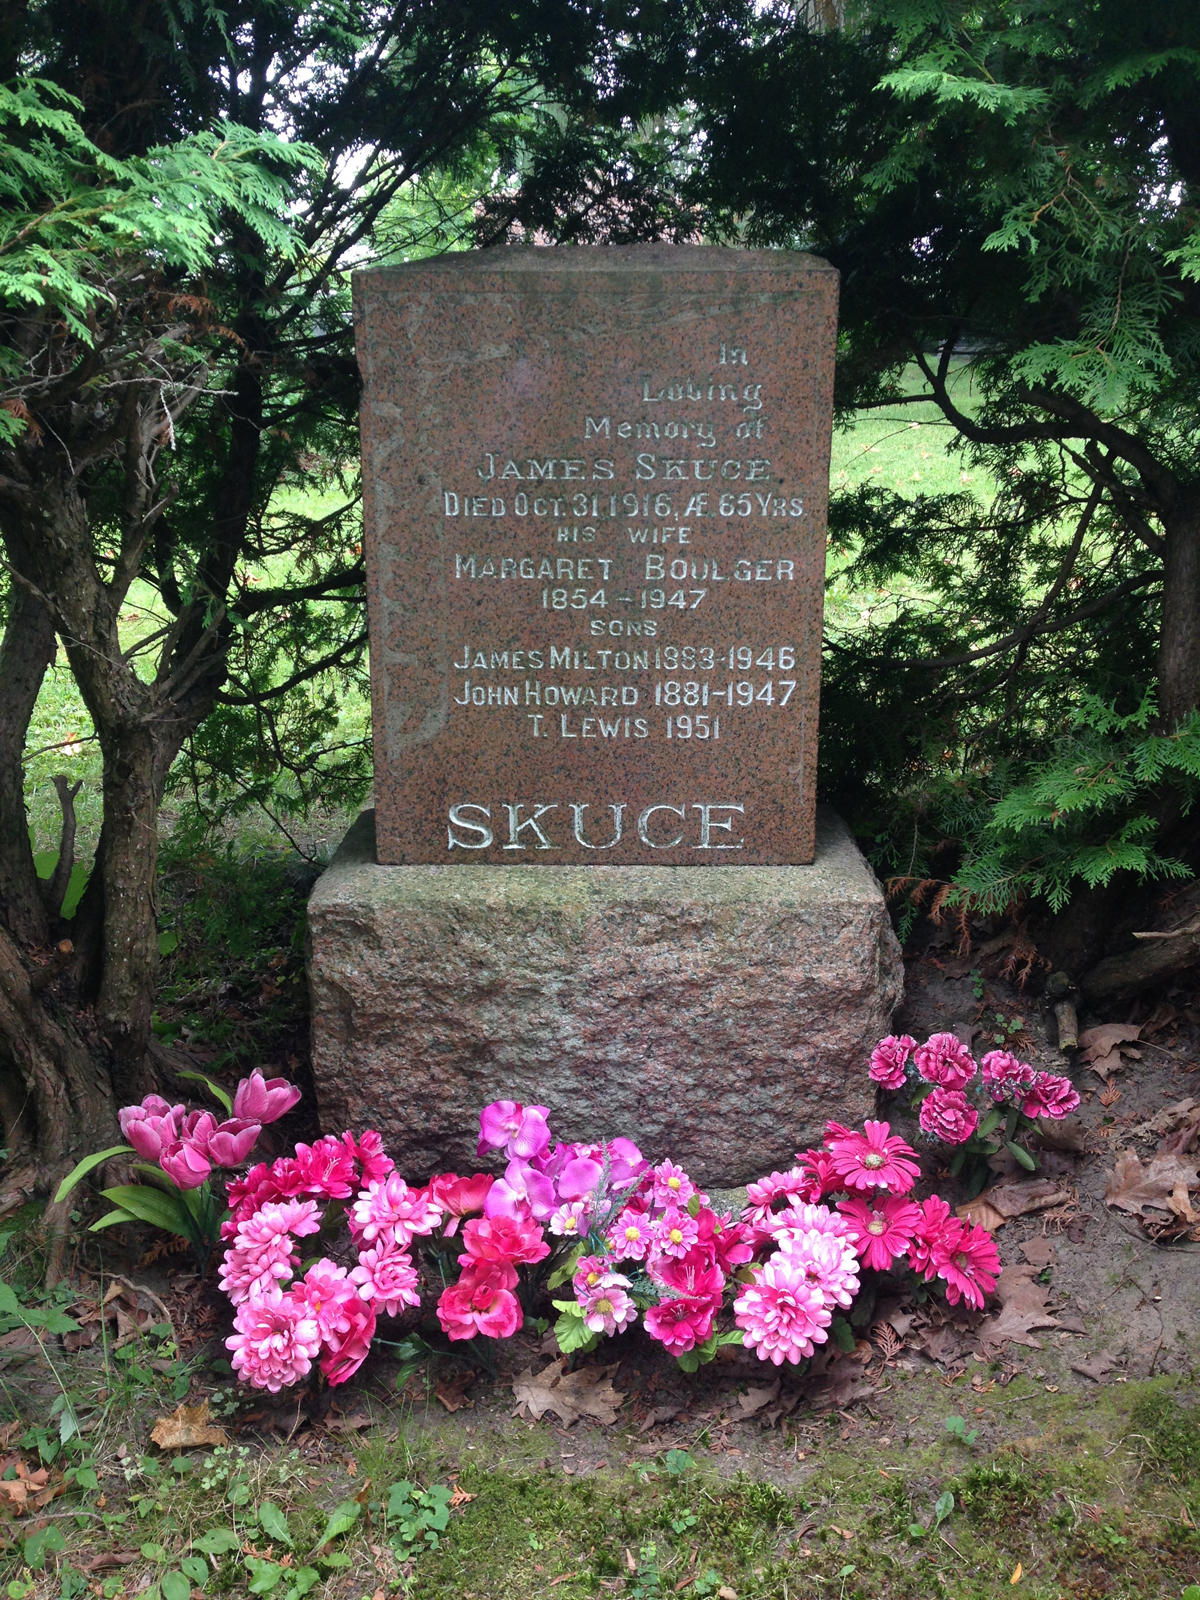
{"x":781,"y":1313}
{"x":970,"y":1266}
{"x":369,"y":1153}
{"x":882,"y":1228}
{"x":386,"y":1276}
{"x":347,"y":1351}
{"x":1050,"y":1096}
{"x":945,"y":1059}
{"x":889,"y":1058}
{"x":392,"y":1206}
{"x":275,"y":1341}
{"x":328,"y":1296}
{"x":872,"y":1159}
{"x":948,"y":1115}
{"x":829,"y":1262}
{"x":1004,"y":1074}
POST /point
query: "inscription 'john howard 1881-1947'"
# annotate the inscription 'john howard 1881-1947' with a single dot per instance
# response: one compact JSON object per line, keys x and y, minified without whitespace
{"x":595,"y":523}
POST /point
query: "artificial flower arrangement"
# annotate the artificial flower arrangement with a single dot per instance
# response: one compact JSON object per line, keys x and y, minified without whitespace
{"x":939,"y":1074}
{"x":628,"y":1238}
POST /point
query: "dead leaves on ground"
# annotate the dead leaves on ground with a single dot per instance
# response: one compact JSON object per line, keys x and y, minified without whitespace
{"x":187,"y":1428}
{"x":1104,"y":1048}
{"x":1163,"y":1184}
{"x":30,"y":1491}
{"x":1003,"y":1201}
{"x":587,"y":1392}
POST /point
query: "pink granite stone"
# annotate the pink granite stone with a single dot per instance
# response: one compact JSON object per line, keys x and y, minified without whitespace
{"x":595,"y":492}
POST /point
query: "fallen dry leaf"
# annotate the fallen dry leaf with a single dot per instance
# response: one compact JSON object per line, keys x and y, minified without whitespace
{"x":1102,"y":1048}
{"x":1016,"y":1574}
{"x":1179,"y":1203}
{"x":1011,"y":1324}
{"x":460,"y":1497}
{"x":9,"y":1431}
{"x":1018,"y":1287}
{"x":660,"y":1414}
{"x":1038,"y":1251}
{"x":587,"y":1392}
{"x":1095,"y":1366}
{"x":186,"y":1428}
{"x":755,"y":1399}
{"x":113,"y":1558}
{"x":452,"y":1391}
{"x":1069,"y":1135}
{"x":30,"y":1491}
{"x":1131,"y":1186}
{"x":1168,"y":1118}
{"x":1109,"y":1095}
{"x":1003,"y":1201}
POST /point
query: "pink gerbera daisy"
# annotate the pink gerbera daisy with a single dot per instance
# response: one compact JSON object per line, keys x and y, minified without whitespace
{"x":881,"y":1228}
{"x":936,"y":1230}
{"x":970,"y":1266}
{"x":631,"y":1236}
{"x":672,"y":1186}
{"x":674,"y":1232}
{"x":872,"y":1159}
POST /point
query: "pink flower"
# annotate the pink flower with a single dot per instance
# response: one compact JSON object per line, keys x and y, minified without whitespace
{"x":781,"y":1312}
{"x":387,"y":1276}
{"x":262,"y":1100}
{"x":503,"y":1239}
{"x":889,"y":1058}
{"x":970,"y":1266}
{"x":881,"y":1228}
{"x":521,"y":1192}
{"x":460,"y":1197}
{"x":231,"y":1142}
{"x":346,"y":1352}
{"x":370,"y":1156}
{"x":802,"y":1218}
{"x":579,"y":1178}
{"x":872,"y":1160}
{"x":762,"y":1195}
{"x":150,"y":1127}
{"x":520,"y":1131}
{"x":946,"y":1060}
{"x":570,"y":1221}
{"x":672,"y":1186}
{"x":261,"y":1254}
{"x":327,"y":1168}
{"x":608,"y":1309}
{"x":819,"y":1175}
{"x":275,"y":1342}
{"x":1050,"y":1096}
{"x":680,"y":1325}
{"x":630,"y":1236}
{"x":674,"y":1232}
{"x":391,"y":1204}
{"x":328,"y":1296}
{"x":936,"y":1230}
{"x":625,"y":1163}
{"x":730,"y":1242}
{"x":1004,"y":1074}
{"x":185,"y":1163}
{"x":694,"y":1276}
{"x":591,"y":1272}
{"x":480,"y":1302}
{"x":948,"y":1115}
{"x":828,"y":1261}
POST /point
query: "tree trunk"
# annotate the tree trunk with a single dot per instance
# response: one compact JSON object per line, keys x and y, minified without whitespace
{"x":27,"y":651}
{"x":1179,"y":636}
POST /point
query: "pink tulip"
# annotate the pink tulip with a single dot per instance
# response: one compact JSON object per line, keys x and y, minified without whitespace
{"x":231,"y":1142}
{"x":185,"y":1164}
{"x":150,"y":1126}
{"x":263,"y":1100}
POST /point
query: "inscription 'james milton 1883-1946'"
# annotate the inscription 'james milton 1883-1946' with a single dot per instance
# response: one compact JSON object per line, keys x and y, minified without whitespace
{"x":595,"y":493}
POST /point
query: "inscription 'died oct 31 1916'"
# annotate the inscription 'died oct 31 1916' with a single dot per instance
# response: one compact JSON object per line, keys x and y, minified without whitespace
{"x":595,"y":485}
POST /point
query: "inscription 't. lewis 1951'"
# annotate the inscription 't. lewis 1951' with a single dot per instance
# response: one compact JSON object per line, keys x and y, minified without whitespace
{"x":595,"y":494}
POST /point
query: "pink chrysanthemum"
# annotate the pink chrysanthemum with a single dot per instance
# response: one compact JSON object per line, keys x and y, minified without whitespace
{"x":370,"y":1155}
{"x":327,"y":1168}
{"x":881,"y":1228}
{"x":679,"y":1325}
{"x":275,"y":1342}
{"x":935,"y":1231}
{"x":631,"y":1236}
{"x":763,"y":1196}
{"x":889,"y":1059}
{"x":1004,"y":1074}
{"x":1050,"y":1096}
{"x":570,"y":1221}
{"x":328,"y":1296}
{"x":781,"y":1313}
{"x":872,"y":1159}
{"x":261,"y":1254}
{"x":970,"y":1266}
{"x":802,"y":1218}
{"x":948,"y":1115}
{"x":946,"y":1060}
{"x":672,"y":1186}
{"x":829,"y":1262}
{"x":386,"y":1276}
{"x":674,"y":1232}
{"x":347,"y":1351}
{"x":391,"y":1204}
{"x":607,"y":1308}
{"x":819,"y":1174}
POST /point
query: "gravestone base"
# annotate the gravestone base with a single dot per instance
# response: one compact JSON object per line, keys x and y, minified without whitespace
{"x":718,"y":1015}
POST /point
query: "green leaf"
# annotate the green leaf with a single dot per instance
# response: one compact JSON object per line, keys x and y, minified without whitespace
{"x":990,"y":1123}
{"x":943,"y":1507}
{"x":41,"y":1543}
{"x":574,"y":1334}
{"x":264,"y":1575}
{"x":197,"y":1569}
{"x":217,"y":1542}
{"x":341,"y":1520}
{"x":399,"y":1498}
{"x":336,"y":1559}
{"x":569,"y":1308}
{"x":303,"y":1579}
{"x":214,"y":1089}
{"x":155,"y":1552}
{"x":152,"y":1206}
{"x":111,"y":1218}
{"x":175,"y":1586}
{"x":843,"y":1334}
{"x":274,"y":1522}
{"x":564,"y":1273}
{"x":1019,"y":1153}
{"x":87,"y":1165}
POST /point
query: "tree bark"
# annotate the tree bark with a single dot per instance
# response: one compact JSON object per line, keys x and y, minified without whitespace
{"x":27,"y":651}
{"x":1179,"y":636}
